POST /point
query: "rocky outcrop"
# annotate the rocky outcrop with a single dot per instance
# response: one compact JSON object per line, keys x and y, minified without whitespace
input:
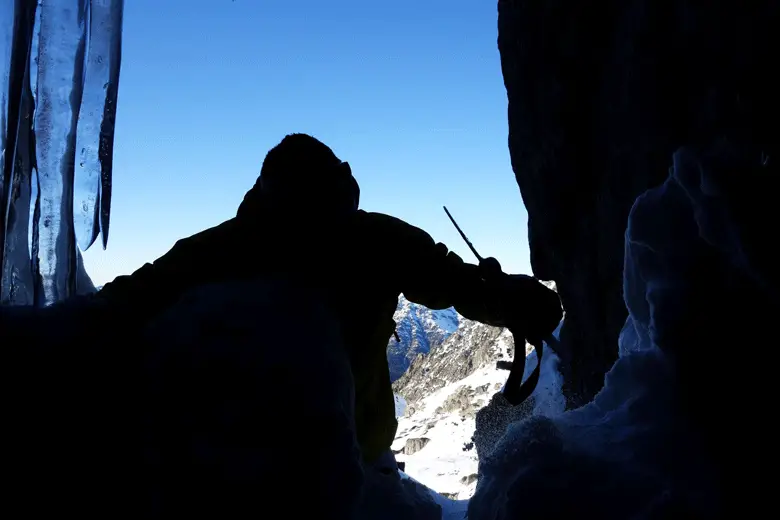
{"x":414,"y":445}
{"x":464,"y":401}
{"x":469,"y":479}
{"x":600,"y":96}
{"x":472,"y":346}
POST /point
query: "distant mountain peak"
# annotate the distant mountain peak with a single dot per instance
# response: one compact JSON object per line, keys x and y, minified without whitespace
{"x":419,"y":329}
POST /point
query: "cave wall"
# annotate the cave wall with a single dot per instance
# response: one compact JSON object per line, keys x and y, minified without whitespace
{"x":599,"y":97}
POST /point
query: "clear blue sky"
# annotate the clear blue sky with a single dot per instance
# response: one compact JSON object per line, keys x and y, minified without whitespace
{"x":409,"y":92}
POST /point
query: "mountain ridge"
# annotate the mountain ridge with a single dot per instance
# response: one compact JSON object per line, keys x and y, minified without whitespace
{"x":419,"y":330}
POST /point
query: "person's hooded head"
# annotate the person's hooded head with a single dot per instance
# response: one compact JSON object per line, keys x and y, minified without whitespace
{"x":302,"y":177}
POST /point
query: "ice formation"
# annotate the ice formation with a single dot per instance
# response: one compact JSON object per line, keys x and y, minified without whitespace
{"x":634,"y":451}
{"x":59,"y":64}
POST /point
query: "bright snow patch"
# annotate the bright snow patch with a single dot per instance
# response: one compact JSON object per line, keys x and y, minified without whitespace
{"x":400,"y":405}
{"x":448,"y":461}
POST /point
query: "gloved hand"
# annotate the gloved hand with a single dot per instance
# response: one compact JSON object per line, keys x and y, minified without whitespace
{"x":521,"y":302}
{"x":530,"y":308}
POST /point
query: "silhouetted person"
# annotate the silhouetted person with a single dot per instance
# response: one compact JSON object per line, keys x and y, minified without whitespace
{"x":301,"y":223}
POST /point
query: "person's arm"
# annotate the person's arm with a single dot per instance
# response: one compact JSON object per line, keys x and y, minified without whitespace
{"x":152,"y":287}
{"x":80,"y":317}
{"x":200,"y":259}
{"x":438,"y":278}
{"x":123,"y":307}
{"x":433,"y":276}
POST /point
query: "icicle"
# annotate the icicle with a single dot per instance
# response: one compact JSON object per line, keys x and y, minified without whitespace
{"x":59,"y":91}
{"x":16,"y":151}
{"x":7,"y":26}
{"x":95,"y":139}
{"x":17,"y":275}
{"x":6,"y":43}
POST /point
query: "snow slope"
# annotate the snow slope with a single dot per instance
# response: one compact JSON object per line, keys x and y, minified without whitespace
{"x":447,"y":387}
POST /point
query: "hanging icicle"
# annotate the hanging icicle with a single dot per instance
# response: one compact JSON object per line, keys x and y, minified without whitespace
{"x":59,"y":67}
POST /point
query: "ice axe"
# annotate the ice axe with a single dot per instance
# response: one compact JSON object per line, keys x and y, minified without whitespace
{"x":515,"y":390}
{"x":488,"y":265}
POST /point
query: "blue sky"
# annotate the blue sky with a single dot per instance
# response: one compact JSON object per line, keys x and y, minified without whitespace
{"x":409,"y":92}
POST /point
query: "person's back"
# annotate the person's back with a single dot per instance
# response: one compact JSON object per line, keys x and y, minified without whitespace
{"x":301,"y":223}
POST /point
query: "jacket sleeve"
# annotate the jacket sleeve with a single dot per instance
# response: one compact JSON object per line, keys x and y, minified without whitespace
{"x":121,"y":306}
{"x":136,"y":298}
{"x":153,"y":286}
{"x":438,"y":278}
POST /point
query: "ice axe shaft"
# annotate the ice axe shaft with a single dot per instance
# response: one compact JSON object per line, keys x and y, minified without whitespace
{"x":462,"y":234}
{"x":488,"y":266}
{"x":516,"y":390}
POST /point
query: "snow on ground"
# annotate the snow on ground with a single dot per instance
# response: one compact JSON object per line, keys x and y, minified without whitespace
{"x":450,"y":509}
{"x":443,"y":464}
{"x":448,"y":462}
{"x":400,"y":405}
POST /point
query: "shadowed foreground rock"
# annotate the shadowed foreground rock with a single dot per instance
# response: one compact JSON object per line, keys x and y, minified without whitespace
{"x":702,"y":289}
{"x":600,"y":96}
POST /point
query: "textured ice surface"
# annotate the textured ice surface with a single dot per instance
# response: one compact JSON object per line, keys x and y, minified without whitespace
{"x":631,"y":452}
{"x":59,"y":70}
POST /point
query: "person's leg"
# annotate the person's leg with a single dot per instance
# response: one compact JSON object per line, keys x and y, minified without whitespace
{"x":251,"y":407}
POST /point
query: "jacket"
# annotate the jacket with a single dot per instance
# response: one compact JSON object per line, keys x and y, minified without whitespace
{"x":360,"y":267}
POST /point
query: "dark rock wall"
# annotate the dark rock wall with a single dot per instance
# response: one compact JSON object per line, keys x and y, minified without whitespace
{"x":600,"y":96}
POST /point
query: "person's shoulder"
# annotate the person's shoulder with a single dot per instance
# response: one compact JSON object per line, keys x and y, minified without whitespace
{"x":372,"y":218}
{"x":219,"y":236}
{"x":382,"y":223}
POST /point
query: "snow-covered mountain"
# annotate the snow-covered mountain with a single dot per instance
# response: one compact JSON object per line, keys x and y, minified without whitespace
{"x":443,"y":391}
{"x":438,"y":397}
{"x":419,"y":329}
